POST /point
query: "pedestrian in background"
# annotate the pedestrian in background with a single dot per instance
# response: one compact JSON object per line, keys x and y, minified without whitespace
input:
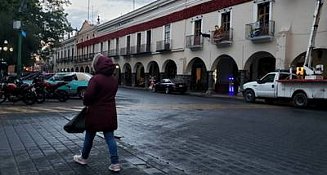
{"x":101,"y":116}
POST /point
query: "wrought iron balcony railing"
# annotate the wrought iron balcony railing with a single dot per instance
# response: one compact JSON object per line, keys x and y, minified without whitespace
{"x":194,"y":42}
{"x":163,"y":45}
{"x":260,"y":31}
{"x":222,"y":38}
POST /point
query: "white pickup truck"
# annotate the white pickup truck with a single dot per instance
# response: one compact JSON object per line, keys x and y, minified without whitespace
{"x":283,"y":85}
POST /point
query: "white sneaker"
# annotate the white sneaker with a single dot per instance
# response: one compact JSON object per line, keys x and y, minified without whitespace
{"x":115,"y":167}
{"x":80,"y":160}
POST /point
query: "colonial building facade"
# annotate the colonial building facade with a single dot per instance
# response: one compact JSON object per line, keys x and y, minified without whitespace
{"x":210,"y":44}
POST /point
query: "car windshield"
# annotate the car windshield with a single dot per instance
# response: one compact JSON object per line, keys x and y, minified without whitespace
{"x":84,"y":76}
{"x":57,"y":77}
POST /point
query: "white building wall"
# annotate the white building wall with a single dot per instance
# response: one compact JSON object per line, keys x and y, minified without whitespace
{"x":293,"y":20}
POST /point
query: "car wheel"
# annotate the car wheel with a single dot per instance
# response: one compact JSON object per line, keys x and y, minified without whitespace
{"x":249,"y":96}
{"x":300,"y":100}
{"x":167,"y":91}
{"x":81,"y":92}
{"x":62,"y":96}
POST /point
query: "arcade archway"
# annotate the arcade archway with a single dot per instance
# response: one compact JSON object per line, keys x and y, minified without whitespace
{"x":258,"y":65}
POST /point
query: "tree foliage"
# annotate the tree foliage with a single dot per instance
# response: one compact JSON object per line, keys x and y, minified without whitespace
{"x":44,"y":22}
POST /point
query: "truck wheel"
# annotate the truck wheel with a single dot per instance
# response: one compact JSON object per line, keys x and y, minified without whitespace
{"x":249,"y":96}
{"x":300,"y":100}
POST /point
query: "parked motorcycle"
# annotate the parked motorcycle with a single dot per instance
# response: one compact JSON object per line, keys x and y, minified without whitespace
{"x":17,"y":91}
{"x":47,"y":90}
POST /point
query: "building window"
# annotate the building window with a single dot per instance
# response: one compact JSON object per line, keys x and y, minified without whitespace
{"x":128,"y":44}
{"x":117,"y":45}
{"x":197,"y":32}
{"x":225,"y":21}
{"x":108,"y":45}
{"x":101,"y":47}
{"x":263,"y":17}
{"x":138,"y":43}
{"x":167,"y":33}
{"x":148,"y":40}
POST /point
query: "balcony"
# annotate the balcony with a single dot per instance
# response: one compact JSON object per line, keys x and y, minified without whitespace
{"x":126,"y":51}
{"x":113,"y":53}
{"x":141,"y":49}
{"x":194,"y":42}
{"x":260,"y":32}
{"x":222,"y":38}
{"x":163,"y":46}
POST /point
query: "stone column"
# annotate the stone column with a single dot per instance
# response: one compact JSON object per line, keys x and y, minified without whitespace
{"x":133,"y":79}
{"x":146,"y":80}
{"x":242,"y":78}
{"x":210,"y":82}
{"x":123,"y":81}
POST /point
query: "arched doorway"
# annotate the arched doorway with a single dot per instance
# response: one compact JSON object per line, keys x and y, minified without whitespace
{"x":139,"y":75}
{"x":117,"y":74}
{"x":170,"y":69}
{"x":82,"y":69}
{"x":199,"y":75}
{"x":87,"y":69}
{"x":128,"y":75}
{"x":76,"y":69}
{"x":72,"y":69}
{"x":154,"y":71}
{"x":225,"y":75}
{"x":258,"y":65}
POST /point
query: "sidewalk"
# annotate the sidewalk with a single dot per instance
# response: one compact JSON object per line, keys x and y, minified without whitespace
{"x":37,"y":144}
{"x":239,"y":96}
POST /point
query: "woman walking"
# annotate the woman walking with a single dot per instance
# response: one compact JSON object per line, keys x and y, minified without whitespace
{"x":101,"y":116}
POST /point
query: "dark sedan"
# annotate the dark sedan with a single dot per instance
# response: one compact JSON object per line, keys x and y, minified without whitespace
{"x":169,"y":86}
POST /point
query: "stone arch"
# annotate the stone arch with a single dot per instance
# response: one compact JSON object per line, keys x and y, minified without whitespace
{"x":81,"y":69}
{"x":170,"y":69}
{"x":87,"y":69}
{"x":258,"y":65}
{"x":153,"y":72}
{"x":199,"y":75}
{"x":139,"y":75}
{"x":72,"y":69}
{"x":225,"y":75}
{"x":76,"y":69}
{"x":319,"y":57}
{"x":127,"y":75}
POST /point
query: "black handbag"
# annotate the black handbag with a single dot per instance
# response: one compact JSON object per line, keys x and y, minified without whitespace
{"x":77,"y":124}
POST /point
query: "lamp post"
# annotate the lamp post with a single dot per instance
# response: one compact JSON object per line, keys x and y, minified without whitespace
{"x":4,"y":49}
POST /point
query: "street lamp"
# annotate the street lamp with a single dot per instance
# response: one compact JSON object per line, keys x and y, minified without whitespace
{"x":3,"y":49}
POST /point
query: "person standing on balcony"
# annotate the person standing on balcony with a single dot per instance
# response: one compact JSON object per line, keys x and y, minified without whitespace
{"x":101,"y":115}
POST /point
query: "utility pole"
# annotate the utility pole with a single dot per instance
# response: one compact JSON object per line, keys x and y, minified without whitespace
{"x":88,"y":10}
{"x":133,"y":4}
{"x":18,"y":25}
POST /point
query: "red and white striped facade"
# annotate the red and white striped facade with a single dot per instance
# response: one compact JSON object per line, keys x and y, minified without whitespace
{"x":178,"y":38}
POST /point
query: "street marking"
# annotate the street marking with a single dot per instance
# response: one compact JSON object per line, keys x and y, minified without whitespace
{"x":37,"y":109}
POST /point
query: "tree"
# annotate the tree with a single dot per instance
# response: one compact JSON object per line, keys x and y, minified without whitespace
{"x":43,"y":21}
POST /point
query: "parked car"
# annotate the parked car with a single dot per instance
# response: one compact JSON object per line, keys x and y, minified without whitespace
{"x":77,"y":82}
{"x":169,"y":86}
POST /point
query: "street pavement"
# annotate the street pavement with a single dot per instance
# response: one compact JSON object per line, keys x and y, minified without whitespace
{"x":168,"y":134}
{"x":33,"y":142}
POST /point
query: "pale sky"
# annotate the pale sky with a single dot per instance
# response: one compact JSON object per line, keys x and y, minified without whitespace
{"x":106,"y":9}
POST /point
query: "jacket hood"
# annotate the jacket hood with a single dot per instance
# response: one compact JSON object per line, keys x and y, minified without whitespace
{"x":103,"y":65}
